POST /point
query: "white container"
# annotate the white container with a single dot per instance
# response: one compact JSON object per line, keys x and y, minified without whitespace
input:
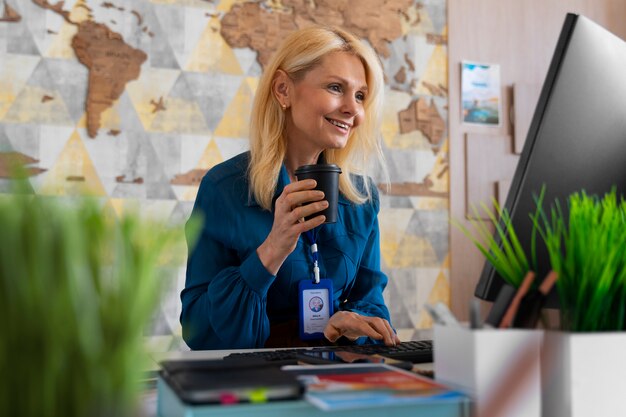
{"x":584,"y":374}
{"x":498,"y":368}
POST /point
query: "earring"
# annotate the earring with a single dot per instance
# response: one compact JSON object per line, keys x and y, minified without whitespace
{"x":284,"y":106}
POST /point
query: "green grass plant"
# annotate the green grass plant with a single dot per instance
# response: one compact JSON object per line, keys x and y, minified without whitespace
{"x":502,"y":249}
{"x":587,"y":248}
{"x":78,"y":284}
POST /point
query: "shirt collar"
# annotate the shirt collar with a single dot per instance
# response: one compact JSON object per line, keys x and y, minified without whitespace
{"x":283,"y":181}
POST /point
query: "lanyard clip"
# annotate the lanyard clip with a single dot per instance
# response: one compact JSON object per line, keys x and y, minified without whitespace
{"x":316,"y":272}
{"x":316,"y":268}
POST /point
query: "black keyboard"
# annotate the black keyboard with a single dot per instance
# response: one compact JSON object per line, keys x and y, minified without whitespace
{"x":416,"y":351}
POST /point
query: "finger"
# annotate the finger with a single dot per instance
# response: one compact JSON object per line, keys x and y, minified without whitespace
{"x":385,"y":328}
{"x":300,"y":186}
{"x":293,"y":188}
{"x":392,"y":333}
{"x":304,"y":226}
{"x":382,"y":327}
{"x":351,"y":325}
{"x":365,"y":329}
{"x":299,"y":198}
{"x":309,"y":209}
{"x":287,"y":202}
{"x":332,"y":333}
{"x":312,"y":223}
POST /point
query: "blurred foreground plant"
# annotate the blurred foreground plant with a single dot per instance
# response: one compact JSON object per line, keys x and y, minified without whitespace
{"x":77,"y":286}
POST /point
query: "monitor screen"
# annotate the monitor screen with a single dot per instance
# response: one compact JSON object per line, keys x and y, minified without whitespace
{"x":577,"y":137}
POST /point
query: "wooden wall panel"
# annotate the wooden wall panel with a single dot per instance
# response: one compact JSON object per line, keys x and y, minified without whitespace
{"x":520,"y":35}
{"x":488,"y":161}
{"x":525,"y":97}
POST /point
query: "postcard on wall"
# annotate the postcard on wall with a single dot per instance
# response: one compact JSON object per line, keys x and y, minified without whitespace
{"x":481,"y":101}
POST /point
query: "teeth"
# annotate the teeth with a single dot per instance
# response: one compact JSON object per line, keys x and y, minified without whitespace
{"x":336,"y":123}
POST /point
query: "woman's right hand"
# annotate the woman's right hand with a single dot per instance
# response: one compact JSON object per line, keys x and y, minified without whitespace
{"x":297,"y":201}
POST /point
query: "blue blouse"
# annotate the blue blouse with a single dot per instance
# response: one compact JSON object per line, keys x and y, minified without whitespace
{"x":230,"y":299}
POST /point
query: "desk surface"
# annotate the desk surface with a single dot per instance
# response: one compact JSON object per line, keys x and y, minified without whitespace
{"x":287,"y":408}
{"x":168,"y":405}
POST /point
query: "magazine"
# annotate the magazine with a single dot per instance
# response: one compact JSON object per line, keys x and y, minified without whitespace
{"x":340,"y":387}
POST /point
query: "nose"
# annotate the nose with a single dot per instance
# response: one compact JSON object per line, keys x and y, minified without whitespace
{"x":350,"y":105}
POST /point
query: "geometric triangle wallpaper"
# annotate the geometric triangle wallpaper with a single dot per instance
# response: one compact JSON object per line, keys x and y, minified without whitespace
{"x":175,"y":100}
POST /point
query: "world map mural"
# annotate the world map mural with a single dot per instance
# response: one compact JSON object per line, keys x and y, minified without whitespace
{"x":133,"y":101}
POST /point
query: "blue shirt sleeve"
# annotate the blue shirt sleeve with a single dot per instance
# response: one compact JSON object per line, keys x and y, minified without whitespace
{"x":225,"y":297}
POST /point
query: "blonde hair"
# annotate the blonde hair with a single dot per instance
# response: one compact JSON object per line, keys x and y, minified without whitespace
{"x":301,"y":51}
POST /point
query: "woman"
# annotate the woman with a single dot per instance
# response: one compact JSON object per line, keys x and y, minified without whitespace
{"x":318,"y":100}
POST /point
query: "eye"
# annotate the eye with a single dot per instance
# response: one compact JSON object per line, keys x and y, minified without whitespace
{"x":360,"y":96}
{"x":335,"y":88}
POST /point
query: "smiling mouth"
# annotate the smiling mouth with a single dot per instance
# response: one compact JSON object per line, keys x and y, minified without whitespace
{"x":339,"y":124}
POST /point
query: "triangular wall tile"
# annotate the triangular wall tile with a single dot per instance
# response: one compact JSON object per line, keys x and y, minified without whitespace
{"x":394,"y":102}
{"x":230,"y":147}
{"x":235,"y":123}
{"x":433,"y":226}
{"x":18,"y":69}
{"x":33,"y":105}
{"x":24,"y":138}
{"x":181,"y":116}
{"x":436,"y":71}
{"x":440,"y":292}
{"x":52,"y":141}
{"x":213,"y":54}
{"x":20,"y":40}
{"x":73,"y":172}
{"x":393,"y":223}
{"x":70,"y":79}
{"x":210,"y":157}
{"x":161,"y":54}
{"x":191,"y":150}
{"x":60,"y":42}
{"x":213,"y":91}
{"x":5,"y":144}
{"x":184,"y":26}
{"x":39,"y":21}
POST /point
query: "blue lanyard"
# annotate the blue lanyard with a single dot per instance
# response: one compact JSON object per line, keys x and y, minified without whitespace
{"x":311,"y":236}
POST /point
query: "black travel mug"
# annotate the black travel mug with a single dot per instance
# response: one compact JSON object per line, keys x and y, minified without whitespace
{"x":327,"y":177}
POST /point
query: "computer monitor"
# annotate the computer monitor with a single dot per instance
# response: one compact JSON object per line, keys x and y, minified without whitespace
{"x":577,"y":137}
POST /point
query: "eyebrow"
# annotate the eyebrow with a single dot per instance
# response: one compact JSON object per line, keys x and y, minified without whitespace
{"x":344,"y":81}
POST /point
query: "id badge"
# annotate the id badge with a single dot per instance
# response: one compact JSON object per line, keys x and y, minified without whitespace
{"x":316,"y":307}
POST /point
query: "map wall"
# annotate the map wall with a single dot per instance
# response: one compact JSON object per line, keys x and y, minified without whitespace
{"x":135,"y":100}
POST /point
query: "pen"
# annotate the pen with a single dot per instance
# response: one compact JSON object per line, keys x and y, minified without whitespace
{"x":511,"y":312}
{"x":530,"y":307}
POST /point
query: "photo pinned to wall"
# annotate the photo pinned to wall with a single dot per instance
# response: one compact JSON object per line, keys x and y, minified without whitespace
{"x":481,"y":101}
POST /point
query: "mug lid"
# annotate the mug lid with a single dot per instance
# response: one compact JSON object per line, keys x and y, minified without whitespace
{"x":305,"y":169}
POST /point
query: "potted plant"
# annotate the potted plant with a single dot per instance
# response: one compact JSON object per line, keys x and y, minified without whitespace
{"x":587,"y":249}
{"x":499,"y":368}
{"x":586,"y":243}
{"x":502,"y":249}
{"x":77,"y":285}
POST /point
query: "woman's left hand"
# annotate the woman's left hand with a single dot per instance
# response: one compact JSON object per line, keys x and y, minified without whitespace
{"x":353,"y":326}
